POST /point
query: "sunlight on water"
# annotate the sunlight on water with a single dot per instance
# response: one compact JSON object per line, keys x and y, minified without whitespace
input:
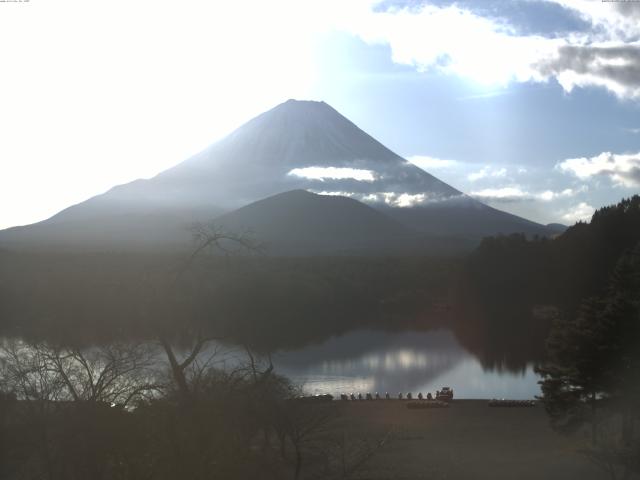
{"x":364,"y":361}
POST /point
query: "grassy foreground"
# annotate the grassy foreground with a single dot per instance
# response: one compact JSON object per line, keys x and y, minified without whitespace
{"x":468,"y":440}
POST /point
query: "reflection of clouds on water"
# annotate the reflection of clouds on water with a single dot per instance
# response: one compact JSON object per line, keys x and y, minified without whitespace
{"x":470,"y":380}
{"x":335,"y":385}
{"x":393,"y":361}
{"x":365,"y":361}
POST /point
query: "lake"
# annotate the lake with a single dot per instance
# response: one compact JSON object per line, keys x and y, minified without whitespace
{"x":411,"y":361}
{"x":364,"y":361}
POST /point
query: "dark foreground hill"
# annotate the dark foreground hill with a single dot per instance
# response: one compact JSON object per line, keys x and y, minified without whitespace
{"x":301,"y":223}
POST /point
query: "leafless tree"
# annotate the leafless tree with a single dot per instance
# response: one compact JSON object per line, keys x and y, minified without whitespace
{"x":299,"y":424}
{"x":208,"y":238}
{"x":63,"y":414}
{"x":118,"y":373}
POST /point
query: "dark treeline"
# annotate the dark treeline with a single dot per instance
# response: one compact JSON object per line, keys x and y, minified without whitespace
{"x":269,"y":303}
{"x":516,"y":286}
{"x":560,"y":271}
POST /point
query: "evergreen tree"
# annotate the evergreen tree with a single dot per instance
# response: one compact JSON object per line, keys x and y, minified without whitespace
{"x":576,"y":375}
{"x":592,"y":373}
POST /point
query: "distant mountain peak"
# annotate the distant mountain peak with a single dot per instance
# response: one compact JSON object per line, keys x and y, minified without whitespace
{"x":294,"y":102}
{"x":261,"y":157}
{"x":300,"y":146}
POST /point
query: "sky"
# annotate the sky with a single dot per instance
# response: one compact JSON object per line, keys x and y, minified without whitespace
{"x":532,"y":106}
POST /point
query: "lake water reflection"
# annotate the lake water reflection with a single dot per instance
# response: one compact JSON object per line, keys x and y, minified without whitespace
{"x":371,"y":361}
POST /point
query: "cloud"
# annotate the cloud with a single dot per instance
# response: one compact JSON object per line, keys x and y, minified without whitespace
{"x":580,"y":212}
{"x":487,"y":172}
{"x":493,"y":51}
{"x":526,"y":16}
{"x":618,"y":21}
{"x":429,"y":38}
{"x":395,"y":199}
{"x":431,"y":163}
{"x":333,"y":193}
{"x":404,"y":199}
{"x":476,"y":176}
{"x":622,"y":169}
{"x":549,"y":195}
{"x":504,"y":194}
{"x":607,"y":56}
{"x":517,"y":194}
{"x":333,"y":173}
{"x":616,"y":68}
{"x":392,"y":199}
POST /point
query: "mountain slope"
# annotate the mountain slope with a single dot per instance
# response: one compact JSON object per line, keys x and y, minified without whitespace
{"x":298,"y":145}
{"x":464,"y":217}
{"x":302,"y":223}
{"x":128,"y":229}
{"x":257,"y":159}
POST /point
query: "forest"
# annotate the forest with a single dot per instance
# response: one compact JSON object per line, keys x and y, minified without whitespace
{"x":268,"y":302}
{"x":516,"y":286}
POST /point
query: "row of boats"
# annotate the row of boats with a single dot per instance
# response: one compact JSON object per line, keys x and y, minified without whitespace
{"x":444,"y":395}
{"x":442,"y":398}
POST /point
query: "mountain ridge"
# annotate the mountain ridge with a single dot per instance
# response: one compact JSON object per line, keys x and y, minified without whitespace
{"x":299,"y":222}
{"x":271,"y":154}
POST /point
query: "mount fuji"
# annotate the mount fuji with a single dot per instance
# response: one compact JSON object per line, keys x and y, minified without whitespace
{"x":301,"y":176}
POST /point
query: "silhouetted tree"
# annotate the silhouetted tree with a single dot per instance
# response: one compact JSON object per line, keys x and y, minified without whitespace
{"x":208,"y":237}
{"x":70,"y":417}
{"x":576,"y":374}
{"x":593,"y":370}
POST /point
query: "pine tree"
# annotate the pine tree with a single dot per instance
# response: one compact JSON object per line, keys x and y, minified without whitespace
{"x":575,"y":376}
{"x":592,"y":373}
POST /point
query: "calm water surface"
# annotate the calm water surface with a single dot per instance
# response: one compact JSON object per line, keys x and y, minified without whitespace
{"x":367,"y":361}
